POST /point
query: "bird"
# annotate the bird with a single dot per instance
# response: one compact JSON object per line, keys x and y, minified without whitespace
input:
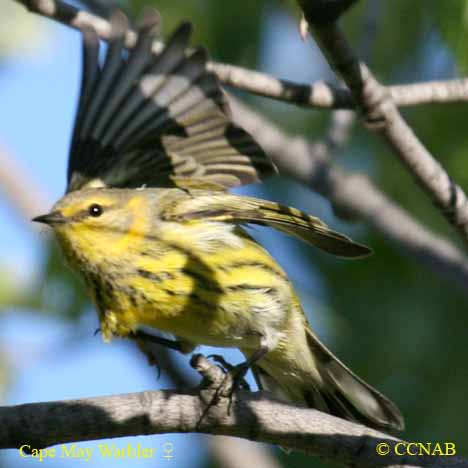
{"x":148,"y":223}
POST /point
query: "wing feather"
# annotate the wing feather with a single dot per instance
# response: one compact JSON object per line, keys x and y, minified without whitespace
{"x":144,"y":118}
{"x":229,"y":208}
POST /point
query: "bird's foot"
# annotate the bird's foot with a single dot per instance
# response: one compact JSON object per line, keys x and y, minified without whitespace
{"x":234,"y":380}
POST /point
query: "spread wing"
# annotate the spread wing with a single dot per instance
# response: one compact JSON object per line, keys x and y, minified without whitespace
{"x":225,"y":207}
{"x":144,"y":118}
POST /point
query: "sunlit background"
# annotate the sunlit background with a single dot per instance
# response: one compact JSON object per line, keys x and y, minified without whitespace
{"x":399,"y":326}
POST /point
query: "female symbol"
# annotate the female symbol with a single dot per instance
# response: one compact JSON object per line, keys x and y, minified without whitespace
{"x":168,"y":448}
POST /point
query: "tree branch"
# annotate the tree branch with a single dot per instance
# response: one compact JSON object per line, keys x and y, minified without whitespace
{"x":317,"y":95}
{"x":253,"y":416}
{"x":381,"y":115}
{"x":430,"y":92}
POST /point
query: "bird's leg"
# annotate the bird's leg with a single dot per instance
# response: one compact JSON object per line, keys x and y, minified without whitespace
{"x":171,"y":344}
{"x":143,"y":336}
{"x":239,"y":371}
{"x":145,"y":340}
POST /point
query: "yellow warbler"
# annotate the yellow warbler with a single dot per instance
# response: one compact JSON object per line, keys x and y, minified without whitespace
{"x":148,"y":224}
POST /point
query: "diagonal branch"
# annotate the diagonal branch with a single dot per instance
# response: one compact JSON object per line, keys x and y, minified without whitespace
{"x":318,"y":95}
{"x":381,"y":115}
{"x":253,"y":416}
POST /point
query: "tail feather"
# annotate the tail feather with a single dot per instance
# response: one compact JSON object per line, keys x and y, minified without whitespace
{"x":332,"y":388}
{"x":349,"y":395}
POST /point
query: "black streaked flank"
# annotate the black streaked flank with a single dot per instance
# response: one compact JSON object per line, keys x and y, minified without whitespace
{"x":195,"y":298}
{"x":133,"y":296}
{"x":149,"y":275}
{"x":251,"y":287}
{"x":202,"y":281}
{"x":109,"y":288}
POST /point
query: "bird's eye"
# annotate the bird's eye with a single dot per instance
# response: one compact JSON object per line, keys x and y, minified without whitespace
{"x":95,"y":210}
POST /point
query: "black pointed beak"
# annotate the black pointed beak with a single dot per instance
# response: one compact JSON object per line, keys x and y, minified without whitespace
{"x":55,"y":217}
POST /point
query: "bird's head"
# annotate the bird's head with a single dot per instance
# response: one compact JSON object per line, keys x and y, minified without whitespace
{"x":96,"y":221}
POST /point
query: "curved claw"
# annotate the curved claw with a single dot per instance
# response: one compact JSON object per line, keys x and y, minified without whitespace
{"x":220,"y":360}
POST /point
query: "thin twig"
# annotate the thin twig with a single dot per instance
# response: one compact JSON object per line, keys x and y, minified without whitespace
{"x":317,"y":95}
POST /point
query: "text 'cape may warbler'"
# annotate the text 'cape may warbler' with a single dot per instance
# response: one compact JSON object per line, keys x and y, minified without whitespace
{"x":149,"y":225}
